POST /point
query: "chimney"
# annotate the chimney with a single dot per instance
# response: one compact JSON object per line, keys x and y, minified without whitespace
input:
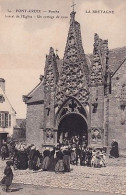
{"x":2,"y":84}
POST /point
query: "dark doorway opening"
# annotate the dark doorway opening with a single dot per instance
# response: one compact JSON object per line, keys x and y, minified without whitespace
{"x":3,"y":138}
{"x":73,"y":125}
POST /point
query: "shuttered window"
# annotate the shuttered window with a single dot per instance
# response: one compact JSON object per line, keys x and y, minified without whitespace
{"x":5,"y":119}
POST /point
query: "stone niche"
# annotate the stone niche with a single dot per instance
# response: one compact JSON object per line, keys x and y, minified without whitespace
{"x":49,"y":137}
{"x":96,"y":137}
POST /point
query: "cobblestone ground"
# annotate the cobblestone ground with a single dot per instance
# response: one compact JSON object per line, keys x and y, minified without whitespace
{"x":111,"y":179}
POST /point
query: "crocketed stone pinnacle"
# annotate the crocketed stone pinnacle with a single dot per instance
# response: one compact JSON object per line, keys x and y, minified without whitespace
{"x":51,"y":71}
{"x":100,"y":61}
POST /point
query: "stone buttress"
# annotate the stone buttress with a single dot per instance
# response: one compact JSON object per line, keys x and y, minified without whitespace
{"x":99,"y":92}
{"x":50,"y":80}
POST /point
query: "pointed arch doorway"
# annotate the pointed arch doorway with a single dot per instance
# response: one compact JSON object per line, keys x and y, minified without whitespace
{"x":73,"y":125}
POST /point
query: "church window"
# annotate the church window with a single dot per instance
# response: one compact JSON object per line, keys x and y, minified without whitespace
{"x":123,"y":99}
{"x":95,"y":105}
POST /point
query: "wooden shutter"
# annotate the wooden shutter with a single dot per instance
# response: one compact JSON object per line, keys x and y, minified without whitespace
{"x":9,"y":120}
{"x":6,"y":120}
{"x":3,"y":119}
{"x":0,"y":120}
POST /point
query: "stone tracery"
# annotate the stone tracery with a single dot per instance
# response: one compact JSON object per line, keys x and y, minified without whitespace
{"x":51,"y":71}
{"x":100,"y":61}
{"x":72,"y":106}
{"x":73,"y":78}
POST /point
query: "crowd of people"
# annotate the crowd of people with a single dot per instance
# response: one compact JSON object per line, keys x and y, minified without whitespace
{"x":59,"y":159}
{"x":74,"y":141}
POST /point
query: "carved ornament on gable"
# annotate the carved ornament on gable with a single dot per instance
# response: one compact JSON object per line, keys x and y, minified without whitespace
{"x":72,"y":106}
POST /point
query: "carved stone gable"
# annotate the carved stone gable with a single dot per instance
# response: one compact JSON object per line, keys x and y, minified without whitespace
{"x":73,"y":80}
{"x":72,"y":106}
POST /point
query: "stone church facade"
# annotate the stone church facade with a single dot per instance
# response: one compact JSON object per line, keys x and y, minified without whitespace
{"x":83,"y":95}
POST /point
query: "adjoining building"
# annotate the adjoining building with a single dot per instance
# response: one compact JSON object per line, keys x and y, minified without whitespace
{"x":83,"y":95}
{"x":7,"y":115}
{"x":19,"y":133}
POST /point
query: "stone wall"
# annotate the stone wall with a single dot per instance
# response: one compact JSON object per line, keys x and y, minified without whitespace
{"x":117,"y":130}
{"x":49,"y":109}
{"x":97,"y":114}
{"x":34,"y":124}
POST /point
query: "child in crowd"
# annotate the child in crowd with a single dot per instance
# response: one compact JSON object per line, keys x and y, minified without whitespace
{"x":8,"y":176}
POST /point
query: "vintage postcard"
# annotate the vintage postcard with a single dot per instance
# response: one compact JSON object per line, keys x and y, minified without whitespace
{"x":63,"y":97}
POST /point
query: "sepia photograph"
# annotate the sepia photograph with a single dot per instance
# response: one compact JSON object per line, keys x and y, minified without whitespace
{"x":63,"y":97}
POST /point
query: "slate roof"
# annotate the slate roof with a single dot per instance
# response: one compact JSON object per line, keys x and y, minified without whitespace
{"x":116,"y":58}
{"x":36,"y":95}
{"x":119,"y":67}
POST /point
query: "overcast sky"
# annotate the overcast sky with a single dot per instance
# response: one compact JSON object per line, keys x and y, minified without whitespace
{"x":24,"y":43}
